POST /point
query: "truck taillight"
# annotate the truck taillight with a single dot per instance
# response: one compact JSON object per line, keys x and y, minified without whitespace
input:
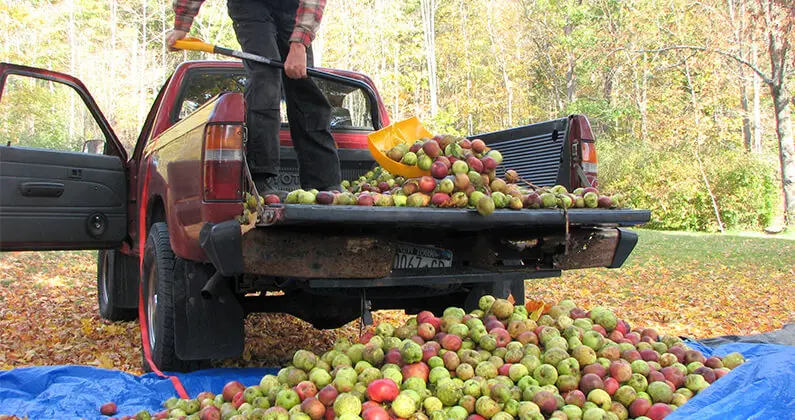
{"x":223,"y":162}
{"x":589,"y":166}
{"x":583,"y":170}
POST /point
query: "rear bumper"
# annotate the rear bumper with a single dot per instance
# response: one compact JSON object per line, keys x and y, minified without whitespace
{"x":343,"y":260}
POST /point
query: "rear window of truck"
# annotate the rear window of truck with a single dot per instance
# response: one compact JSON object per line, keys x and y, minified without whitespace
{"x":350,"y":106}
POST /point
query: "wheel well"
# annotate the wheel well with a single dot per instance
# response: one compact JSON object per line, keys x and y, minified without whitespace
{"x":155,"y":213}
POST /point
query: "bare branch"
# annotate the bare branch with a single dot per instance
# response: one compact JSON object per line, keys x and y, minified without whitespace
{"x":733,"y":56}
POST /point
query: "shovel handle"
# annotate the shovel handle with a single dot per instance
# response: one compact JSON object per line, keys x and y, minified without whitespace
{"x":196,"y":44}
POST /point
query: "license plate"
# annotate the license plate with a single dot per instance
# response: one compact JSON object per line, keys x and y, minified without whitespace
{"x":413,"y":256}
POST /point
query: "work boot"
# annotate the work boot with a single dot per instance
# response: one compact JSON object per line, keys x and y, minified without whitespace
{"x":267,"y":185}
{"x":333,"y":188}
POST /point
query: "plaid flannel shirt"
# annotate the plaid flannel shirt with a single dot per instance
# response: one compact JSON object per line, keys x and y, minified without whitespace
{"x":307,"y":18}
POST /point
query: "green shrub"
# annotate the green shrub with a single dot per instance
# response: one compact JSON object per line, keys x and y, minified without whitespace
{"x":667,"y":181}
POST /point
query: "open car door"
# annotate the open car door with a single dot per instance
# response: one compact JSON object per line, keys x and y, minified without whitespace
{"x":63,"y":183}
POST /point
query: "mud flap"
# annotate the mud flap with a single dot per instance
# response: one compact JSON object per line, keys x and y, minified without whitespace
{"x":205,"y":328}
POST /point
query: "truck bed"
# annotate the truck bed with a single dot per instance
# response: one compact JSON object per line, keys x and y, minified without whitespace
{"x":454,"y":218}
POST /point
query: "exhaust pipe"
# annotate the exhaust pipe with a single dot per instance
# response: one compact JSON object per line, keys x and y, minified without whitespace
{"x":212,"y":287}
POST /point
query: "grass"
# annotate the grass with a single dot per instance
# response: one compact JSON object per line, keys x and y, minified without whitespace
{"x":733,"y":249}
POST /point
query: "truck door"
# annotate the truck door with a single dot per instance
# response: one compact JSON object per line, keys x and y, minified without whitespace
{"x":63,"y":183}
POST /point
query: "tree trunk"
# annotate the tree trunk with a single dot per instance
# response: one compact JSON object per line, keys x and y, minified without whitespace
{"x":111,"y":102}
{"x":697,"y":146}
{"x":72,"y":66}
{"x":757,"y":107}
{"x":640,"y":81}
{"x":779,"y":49}
{"x":737,"y":24}
{"x":571,"y":75}
{"x":396,"y":69}
{"x":781,"y":98}
{"x":464,"y":28}
{"x":746,"y":110}
{"x":499,"y":56}
{"x":142,"y":71}
{"x":428,"y":8}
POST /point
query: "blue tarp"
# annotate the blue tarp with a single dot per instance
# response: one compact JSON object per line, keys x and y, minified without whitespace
{"x":763,"y":388}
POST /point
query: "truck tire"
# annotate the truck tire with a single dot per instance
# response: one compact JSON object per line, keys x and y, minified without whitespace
{"x":112,"y":273}
{"x":158,"y":288}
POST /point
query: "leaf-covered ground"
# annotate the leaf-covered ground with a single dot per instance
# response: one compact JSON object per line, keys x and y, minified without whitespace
{"x":686,"y":284}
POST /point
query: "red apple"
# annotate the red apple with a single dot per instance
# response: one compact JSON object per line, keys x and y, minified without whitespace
{"x":375,"y":413}
{"x":501,"y":335}
{"x":238,"y":400}
{"x":209,"y":412}
{"x":600,"y":329}
{"x":424,"y":316}
{"x":622,"y":327}
{"x":306,"y":389}
{"x":365,"y":338}
{"x":444,"y":159}
{"x":426,"y":331}
{"x":427,"y":184}
{"x":655,"y":376}
{"x":382,"y":390}
{"x":272,"y":199}
{"x":451,"y":342}
{"x":489,"y":163}
{"x":503,"y":370}
{"x":659,"y":411}
{"x":440,"y":199}
{"x":313,"y":408}
{"x":475,"y":164}
{"x":328,"y":395}
{"x":589,"y":382}
{"x":478,"y":146}
{"x":231,"y":389}
{"x":432,"y":149}
{"x":419,"y":369}
{"x":616,"y":335}
{"x":393,"y":356}
{"x":633,"y":337}
{"x":639,"y":407}
{"x":439,"y":170}
{"x":611,"y":385}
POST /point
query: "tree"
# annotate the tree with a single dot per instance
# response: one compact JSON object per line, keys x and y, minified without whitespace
{"x":428,"y":8}
{"x":776,"y":22}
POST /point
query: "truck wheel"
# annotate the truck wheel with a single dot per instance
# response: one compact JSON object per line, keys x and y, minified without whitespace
{"x":111,"y":275}
{"x":158,"y":288}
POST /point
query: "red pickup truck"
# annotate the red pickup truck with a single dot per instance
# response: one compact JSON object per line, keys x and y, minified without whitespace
{"x":202,"y":273}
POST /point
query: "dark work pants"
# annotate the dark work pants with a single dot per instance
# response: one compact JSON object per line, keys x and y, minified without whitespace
{"x":263,"y":27}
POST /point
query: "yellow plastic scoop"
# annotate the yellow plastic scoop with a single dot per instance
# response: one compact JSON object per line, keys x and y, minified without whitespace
{"x":407,"y":132}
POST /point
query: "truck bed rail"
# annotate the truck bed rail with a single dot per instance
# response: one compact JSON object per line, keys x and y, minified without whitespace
{"x":459,"y":219}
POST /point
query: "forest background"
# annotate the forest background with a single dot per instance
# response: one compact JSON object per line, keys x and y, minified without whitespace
{"x":690,"y":100}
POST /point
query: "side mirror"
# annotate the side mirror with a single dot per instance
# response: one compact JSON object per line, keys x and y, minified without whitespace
{"x":94,"y":147}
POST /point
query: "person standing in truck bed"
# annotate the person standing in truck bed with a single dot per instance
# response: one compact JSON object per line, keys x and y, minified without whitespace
{"x":284,"y":30}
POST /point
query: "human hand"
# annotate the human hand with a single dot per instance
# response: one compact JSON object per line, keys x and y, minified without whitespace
{"x":295,"y":65}
{"x":172,"y":37}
